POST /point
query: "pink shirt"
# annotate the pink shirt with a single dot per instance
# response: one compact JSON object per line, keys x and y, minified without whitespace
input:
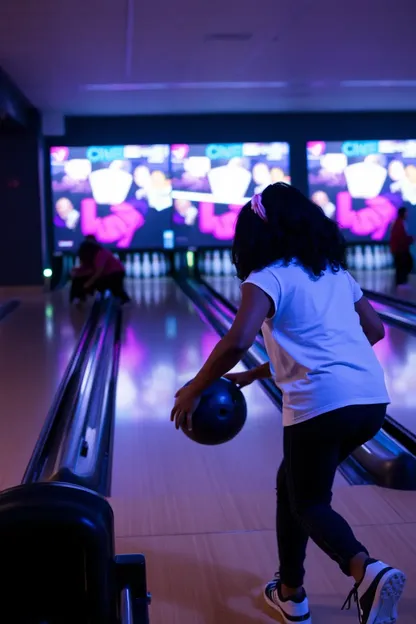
{"x":106,"y":261}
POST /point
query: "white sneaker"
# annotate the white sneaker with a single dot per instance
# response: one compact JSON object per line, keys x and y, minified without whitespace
{"x":295,"y":610}
{"x":378,"y":593}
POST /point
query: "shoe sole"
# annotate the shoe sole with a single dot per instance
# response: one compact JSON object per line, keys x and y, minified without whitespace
{"x":387,"y":596}
{"x":280,"y":611}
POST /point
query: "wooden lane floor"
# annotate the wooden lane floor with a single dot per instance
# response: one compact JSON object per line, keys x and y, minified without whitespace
{"x":217,"y":578}
{"x":36,"y":343}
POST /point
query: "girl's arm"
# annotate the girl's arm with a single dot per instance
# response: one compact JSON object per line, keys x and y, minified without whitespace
{"x":245,"y":378}
{"x":371,"y":323}
{"x":255,"y":307}
{"x":262,"y":372}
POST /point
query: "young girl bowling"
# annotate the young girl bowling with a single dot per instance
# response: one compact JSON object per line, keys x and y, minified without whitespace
{"x":319,"y":331}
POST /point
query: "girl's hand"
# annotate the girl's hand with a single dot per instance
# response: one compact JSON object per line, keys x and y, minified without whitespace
{"x":241,"y":379}
{"x":186,"y":401}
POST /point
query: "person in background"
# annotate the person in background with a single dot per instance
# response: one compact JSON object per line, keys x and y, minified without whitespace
{"x":108,"y":274}
{"x":400,"y":242}
{"x":318,"y":330}
{"x":81,"y":274}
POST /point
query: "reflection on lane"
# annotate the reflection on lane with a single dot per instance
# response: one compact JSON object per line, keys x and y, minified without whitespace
{"x":382,"y":281}
{"x":396,"y":353}
{"x":161,"y":351}
{"x":36,"y":344}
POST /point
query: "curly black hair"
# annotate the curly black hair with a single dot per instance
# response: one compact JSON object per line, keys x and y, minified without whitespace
{"x":296,"y":229}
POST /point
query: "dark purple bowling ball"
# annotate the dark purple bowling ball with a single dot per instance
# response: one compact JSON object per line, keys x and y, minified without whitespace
{"x":220,"y":415}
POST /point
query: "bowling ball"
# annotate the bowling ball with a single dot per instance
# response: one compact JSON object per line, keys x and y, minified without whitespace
{"x":220,"y":415}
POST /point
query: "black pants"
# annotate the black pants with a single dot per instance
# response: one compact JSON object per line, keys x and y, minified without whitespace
{"x":403,"y":264}
{"x":113,"y":282}
{"x":312,"y":452}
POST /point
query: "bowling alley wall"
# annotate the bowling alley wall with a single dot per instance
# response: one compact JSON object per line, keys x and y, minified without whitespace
{"x":180,"y":180}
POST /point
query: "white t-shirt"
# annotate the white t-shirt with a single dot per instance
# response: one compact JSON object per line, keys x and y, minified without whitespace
{"x":319,"y":355}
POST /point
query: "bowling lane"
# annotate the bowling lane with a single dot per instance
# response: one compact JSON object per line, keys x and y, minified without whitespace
{"x":382,"y":281}
{"x":36,"y":343}
{"x":396,"y":353}
{"x":163,"y":483}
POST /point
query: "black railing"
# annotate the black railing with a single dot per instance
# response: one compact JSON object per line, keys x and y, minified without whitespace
{"x":56,"y":530}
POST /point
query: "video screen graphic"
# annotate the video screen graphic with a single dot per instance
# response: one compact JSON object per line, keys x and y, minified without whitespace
{"x":211,"y":183}
{"x":361,"y":184}
{"x":120,"y":194}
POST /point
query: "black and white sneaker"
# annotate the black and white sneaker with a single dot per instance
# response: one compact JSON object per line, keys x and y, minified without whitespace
{"x":291,"y":610}
{"x":378,"y":593}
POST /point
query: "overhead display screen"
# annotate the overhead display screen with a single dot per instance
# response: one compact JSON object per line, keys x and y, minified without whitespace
{"x":361,"y":184}
{"x":210,"y":184}
{"x":155,"y":196}
{"x":120,"y":194}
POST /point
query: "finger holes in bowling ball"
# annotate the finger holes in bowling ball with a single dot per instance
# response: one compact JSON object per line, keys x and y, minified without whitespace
{"x":220,"y":415}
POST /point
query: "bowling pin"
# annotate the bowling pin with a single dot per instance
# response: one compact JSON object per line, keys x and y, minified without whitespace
{"x":377,"y":257}
{"x":216,"y":263}
{"x":368,"y":258}
{"x":146,"y":266}
{"x":137,"y":269}
{"x":128,"y":266}
{"x":227,"y":265}
{"x":350,"y":258}
{"x":155,"y":265}
{"x":358,"y":258}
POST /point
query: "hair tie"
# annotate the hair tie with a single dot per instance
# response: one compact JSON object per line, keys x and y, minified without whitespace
{"x":257,"y":207}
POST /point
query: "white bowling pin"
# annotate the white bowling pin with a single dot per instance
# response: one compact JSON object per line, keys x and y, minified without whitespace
{"x":155,"y":265}
{"x":358,"y":258}
{"x":227,"y":265}
{"x":146,"y":266}
{"x":350,"y":258}
{"x":137,"y":269}
{"x":368,"y":258}
{"x":377,"y":257}
{"x":128,"y":266}
{"x":216,"y":262}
